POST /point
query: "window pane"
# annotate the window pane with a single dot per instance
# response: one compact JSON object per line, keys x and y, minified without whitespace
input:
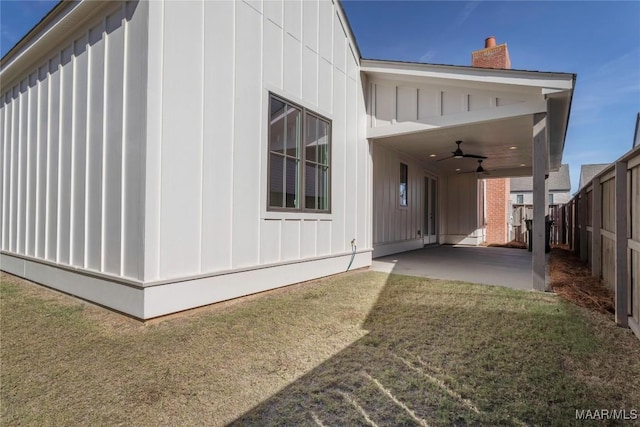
{"x":277,"y":121}
{"x":276,"y":181}
{"x":323,"y":188}
{"x":299,"y":153}
{"x":291,"y":179}
{"x":323,"y":142}
{"x":310,"y":182}
{"x":310,"y":142}
{"x":403,"y":184}
{"x":293,"y":131}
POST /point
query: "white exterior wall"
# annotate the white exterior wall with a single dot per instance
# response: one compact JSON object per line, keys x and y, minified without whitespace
{"x":462,"y":219}
{"x":212,"y":66}
{"x":72,"y":145}
{"x":395,"y":227}
{"x":136,"y":154}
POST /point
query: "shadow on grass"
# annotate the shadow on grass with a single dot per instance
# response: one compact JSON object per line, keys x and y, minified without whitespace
{"x":442,"y":353}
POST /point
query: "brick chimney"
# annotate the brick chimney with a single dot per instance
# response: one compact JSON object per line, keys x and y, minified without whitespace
{"x":498,"y":190}
{"x":491,"y":56}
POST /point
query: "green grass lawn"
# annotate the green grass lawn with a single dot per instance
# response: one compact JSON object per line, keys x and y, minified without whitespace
{"x":362,"y":348}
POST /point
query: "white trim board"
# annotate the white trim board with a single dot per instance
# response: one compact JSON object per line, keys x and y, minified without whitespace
{"x":179,"y":295}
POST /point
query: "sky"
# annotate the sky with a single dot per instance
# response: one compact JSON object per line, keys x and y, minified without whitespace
{"x":597,"y":40}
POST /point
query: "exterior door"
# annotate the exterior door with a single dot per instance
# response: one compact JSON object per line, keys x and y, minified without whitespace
{"x":430,"y":234}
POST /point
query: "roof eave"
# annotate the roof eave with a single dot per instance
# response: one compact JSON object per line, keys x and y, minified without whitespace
{"x":547,"y":81}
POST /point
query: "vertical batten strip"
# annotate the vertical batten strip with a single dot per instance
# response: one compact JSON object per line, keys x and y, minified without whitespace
{"x":233,"y":120}
{"x":202,"y":142}
{"x":5,"y":169}
{"x":161,"y":127}
{"x":38,"y":118}
{"x":47,"y":201}
{"x":10,"y":168}
{"x":95,"y":149}
{"x":3,"y":108}
{"x":124,"y":136}
{"x":87,"y":167}
{"x":18,"y":215}
{"x":27,"y":193}
{"x":152,"y":131}
{"x":12,"y":176}
{"x":103,"y":230}
{"x":32,"y":178}
{"x":61,"y":89}
{"x":73,"y":196}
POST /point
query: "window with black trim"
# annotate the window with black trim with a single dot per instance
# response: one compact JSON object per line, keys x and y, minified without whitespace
{"x":404,"y":184}
{"x":299,"y":158}
{"x":550,"y":198}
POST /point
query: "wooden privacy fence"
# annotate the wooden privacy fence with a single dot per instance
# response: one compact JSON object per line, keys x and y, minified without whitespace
{"x":603,"y":228}
{"x":558,"y":227}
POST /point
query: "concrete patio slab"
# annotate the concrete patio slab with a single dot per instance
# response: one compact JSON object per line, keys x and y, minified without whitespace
{"x":493,"y":266}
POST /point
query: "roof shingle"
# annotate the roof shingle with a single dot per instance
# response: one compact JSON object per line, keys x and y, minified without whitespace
{"x":558,"y":181}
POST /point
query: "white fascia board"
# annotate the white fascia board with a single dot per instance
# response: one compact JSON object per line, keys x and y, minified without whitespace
{"x":41,"y":40}
{"x":544,"y":81}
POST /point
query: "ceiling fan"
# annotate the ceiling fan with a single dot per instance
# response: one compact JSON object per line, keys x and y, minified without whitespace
{"x":479,"y":169}
{"x":459,"y":154}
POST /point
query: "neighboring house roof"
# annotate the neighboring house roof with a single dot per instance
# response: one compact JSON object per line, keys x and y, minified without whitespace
{"x":587,"y":172}
{"x":636,"y":135}
{"x":558,"y":181}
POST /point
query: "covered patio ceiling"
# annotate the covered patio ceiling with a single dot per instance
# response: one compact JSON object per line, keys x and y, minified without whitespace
{"x":421,"y":110}
{"x":506,"y":143}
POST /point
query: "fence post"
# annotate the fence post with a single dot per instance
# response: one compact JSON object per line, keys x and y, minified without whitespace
{"x":563,"y":230}
{"x":576,"y":224}
{"x":584,"y":236}
{"x":622,"y":312}
{"x":570,"y":223}
{"x":596,"y":224}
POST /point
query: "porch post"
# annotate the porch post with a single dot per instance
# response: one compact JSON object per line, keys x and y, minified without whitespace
{"x":539,"y":202}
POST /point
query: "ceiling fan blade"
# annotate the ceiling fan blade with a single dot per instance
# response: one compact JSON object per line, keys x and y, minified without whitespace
{"x":474,"y":156}
{"x":484,"y":172}
{"x":446,"y":158}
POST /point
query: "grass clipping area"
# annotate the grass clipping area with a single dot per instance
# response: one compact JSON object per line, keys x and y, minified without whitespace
{"x":362,"y":348}
{"x":571,"y":279}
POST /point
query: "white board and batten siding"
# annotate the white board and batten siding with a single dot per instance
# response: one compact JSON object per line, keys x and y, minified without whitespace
{"x":439,"y":105}
{"x":72,"y":154}
{"x":396,"y":228}
{"x":463,"y":222}
{"x":212,"y":66}
{"x":136,"y":152}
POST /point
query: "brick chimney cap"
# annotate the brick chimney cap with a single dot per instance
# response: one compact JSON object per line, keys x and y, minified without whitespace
{"x":489,"y":42}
